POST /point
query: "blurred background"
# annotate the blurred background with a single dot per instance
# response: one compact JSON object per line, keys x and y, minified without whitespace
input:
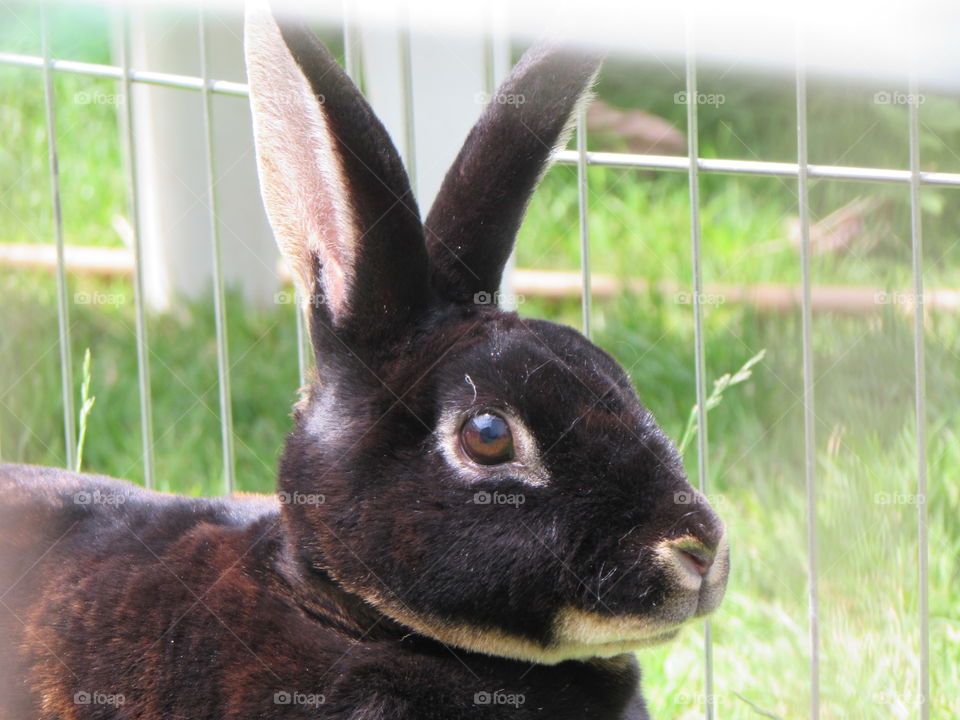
{"x":642,"y":306}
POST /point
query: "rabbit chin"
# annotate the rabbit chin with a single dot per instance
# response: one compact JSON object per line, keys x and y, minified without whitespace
{"x":579,"y":635}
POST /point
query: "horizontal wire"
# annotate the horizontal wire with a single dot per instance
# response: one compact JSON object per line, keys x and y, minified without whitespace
{"x":680,"y":163}
{"x":187,"y":82}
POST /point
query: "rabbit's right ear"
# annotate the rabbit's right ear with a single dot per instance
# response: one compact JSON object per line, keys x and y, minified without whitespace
{"x":335,"y":190}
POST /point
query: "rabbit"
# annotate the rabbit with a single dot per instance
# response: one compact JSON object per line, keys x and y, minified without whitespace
{"x":475,"y":516}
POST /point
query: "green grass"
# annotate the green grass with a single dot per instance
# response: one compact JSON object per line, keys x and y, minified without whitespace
{"x":639,"y":227}
{"x":865,"y":447}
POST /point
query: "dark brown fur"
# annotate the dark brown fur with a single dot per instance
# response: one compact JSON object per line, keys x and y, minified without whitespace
{"x":379,"y":584}
{"x":195,"y":609}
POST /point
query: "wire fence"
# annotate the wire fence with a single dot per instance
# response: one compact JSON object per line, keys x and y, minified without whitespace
{"x":694,"y":165}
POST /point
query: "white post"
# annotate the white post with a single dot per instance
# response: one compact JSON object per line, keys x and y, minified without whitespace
{"x":171,"y":170}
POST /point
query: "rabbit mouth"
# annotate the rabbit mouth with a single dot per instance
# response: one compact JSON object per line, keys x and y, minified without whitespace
{"x":696,"y":585}
{"x":698,"y":579}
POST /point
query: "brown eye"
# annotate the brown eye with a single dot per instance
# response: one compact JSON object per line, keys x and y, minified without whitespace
{"x":486,"y":439}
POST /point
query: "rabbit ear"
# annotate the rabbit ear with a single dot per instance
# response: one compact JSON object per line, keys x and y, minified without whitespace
{"x":475,"y":217}
{"x":335,"y":190}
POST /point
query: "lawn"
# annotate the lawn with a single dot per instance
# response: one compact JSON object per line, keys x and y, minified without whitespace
{"x":866,"y":510}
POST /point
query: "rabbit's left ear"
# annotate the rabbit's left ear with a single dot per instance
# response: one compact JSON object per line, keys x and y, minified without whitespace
{"x":478,"y":210}
{"x":335,"y":190}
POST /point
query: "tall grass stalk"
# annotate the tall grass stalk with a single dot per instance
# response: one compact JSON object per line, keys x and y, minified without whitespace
{"x":86,"y":405}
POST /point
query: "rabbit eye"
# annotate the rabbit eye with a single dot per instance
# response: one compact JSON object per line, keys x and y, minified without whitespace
{"x":487,"y":440}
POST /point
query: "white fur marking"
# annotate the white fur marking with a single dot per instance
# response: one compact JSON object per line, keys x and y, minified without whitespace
{"x":469,"y":382}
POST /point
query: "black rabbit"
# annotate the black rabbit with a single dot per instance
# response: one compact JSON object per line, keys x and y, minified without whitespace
{"x":476,"y":517}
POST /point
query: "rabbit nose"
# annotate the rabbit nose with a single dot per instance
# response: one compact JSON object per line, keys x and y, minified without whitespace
{"x":693,"y":555}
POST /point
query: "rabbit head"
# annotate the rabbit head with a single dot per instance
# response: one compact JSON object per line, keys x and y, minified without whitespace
{"x":488,"y":480}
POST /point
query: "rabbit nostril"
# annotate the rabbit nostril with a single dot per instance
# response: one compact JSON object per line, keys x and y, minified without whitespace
{"x":700,"y":563}
{"x":695,"y":555}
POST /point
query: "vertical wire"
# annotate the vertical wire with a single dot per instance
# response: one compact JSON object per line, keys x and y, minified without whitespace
{"x":493,"y":48}
{"x":301,"y":335}
{"x":694,"y":183}
{"x":63,"y":311}
{"x":219,"y":300}
{"x":919,"y":396}
{"x":813,"y":605}
{"x":489,"y":72}
{"x":406,"y":79}
{"x":351,"y":47}
{"x":582,"y":210}
{"x":143,"y":356}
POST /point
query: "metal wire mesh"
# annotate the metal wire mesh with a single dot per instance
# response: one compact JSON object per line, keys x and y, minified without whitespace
{"x":692,"y":164}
